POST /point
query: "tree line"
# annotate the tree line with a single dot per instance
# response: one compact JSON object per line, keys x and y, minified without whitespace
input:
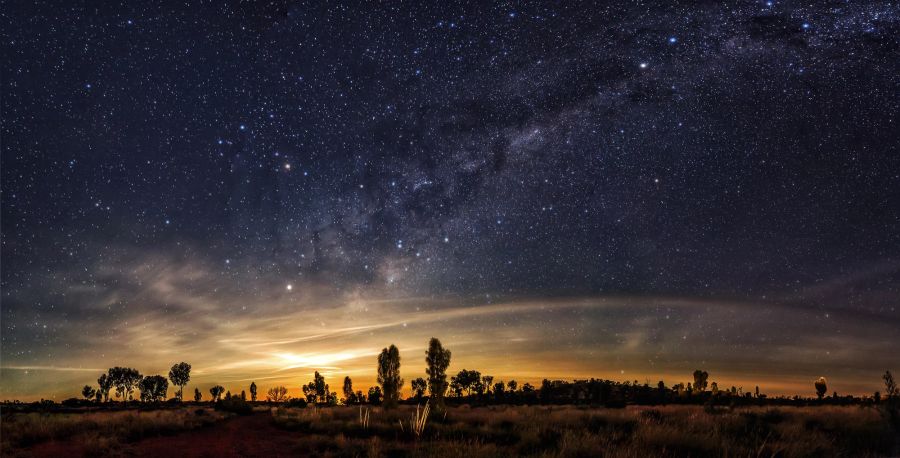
{"x":467,"y":386}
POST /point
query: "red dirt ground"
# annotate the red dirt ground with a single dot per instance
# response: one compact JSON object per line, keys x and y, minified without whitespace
{"x":253,"y":435}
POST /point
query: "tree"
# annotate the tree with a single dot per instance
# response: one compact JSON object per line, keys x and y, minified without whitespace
{"x":316,"y":390}
{"x":374,"y":395}
{"x":197,"y":395}
{"x":105,"y":385}
{"x":88,"y":392}
{"x":512,"y":385}
{"x":309,"y":391}
{"x":714,"y":387}
{"x":890,"y":386}
{"x":124,"y":379}
{"x":437,"y":360}
{"x":527,"y":388}
{"x":216,"y":392}
{"x":180,"y":375}
{"x":700,"y":379}
{"x":468,"y":380}
{"x":418,"y":387}
{"x":253,"y":391}
{"x":487,"y":382}
{"x":320,"y":386}
{"x":243,"y":396}
{"x":389,"y":375}
{"x":821,"y":387}
{"x":153,"y":388}
{"x":349,"y":396}
{"x":499,"y":388}
{"x":277,"y":394}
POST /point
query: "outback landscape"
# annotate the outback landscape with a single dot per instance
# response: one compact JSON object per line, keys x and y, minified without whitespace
{"x":476,"y":418}
{"x":531,"y":228}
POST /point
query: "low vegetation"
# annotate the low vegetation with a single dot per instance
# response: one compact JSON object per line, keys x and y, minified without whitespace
{"x":103,"y":430}
{"x":585,"y":431}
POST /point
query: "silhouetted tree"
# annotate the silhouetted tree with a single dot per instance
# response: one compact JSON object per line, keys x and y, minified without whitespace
{"x":757,"y":391}
{"x":180,"y":375}
{"x":418,"y":386}
{"x":512,"y":385}
{"x":277,"y":394}
{"x":821,"y":387}
{"x":487,"y":382}
{"x":349,"y":395}
{"x":105,"y":384}
{"x":374,"y":395}
{"x":499,"y":389}
{"x":890,"y":386}
{"x":437,"y":359}
{"x":243,"y":396}
{"x":468,"y":380}
{"x":153,"y":388}
{"x":216,"y":392}
{"x":714,"y":387}
{"x":309,"y":391}
{"x":228,"y":394}
{"x":316,"y":390}
{"x":389,"y":375}
{"x":253,"y":391}
{"x":125,"y":380}
{"x":197,"y":395}
{"x":321,"y":387}
{"x":88,"y":392}
{"x":455,"y":387}
{"x":700,"y":378}
{"x":527,"y":388}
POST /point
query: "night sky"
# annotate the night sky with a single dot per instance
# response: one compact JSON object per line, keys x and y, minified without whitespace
{"x":563,"y":190}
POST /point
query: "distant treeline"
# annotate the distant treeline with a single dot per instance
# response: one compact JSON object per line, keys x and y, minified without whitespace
{"x":466,"y":387}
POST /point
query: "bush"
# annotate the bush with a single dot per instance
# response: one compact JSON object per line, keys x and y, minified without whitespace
{"x":297,"y":402}
{"x":236,"y":405}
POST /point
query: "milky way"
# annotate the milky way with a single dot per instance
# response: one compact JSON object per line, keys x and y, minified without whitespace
{"x":562,"y":190}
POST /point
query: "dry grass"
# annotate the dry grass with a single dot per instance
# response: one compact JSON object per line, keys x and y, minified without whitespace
{"x":99,"y":430}
{"x":564,"y":431}
{"x":541,"y":431}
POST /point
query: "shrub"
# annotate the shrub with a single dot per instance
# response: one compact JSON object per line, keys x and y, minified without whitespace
{"x":297,"y":402}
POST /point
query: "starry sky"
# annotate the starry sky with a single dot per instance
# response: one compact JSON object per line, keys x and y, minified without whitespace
{"x":555,"y":189}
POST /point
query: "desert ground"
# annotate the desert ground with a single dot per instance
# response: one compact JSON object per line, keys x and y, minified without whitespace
{"x":489,"y":431}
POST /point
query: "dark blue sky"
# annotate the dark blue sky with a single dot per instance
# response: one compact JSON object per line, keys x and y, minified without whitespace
{"x":745,"y":152}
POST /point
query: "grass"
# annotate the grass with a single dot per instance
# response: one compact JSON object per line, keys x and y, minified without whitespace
{"x":565,"y":431}
{"x":540,"y":431}
{"x":99,"y":431}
